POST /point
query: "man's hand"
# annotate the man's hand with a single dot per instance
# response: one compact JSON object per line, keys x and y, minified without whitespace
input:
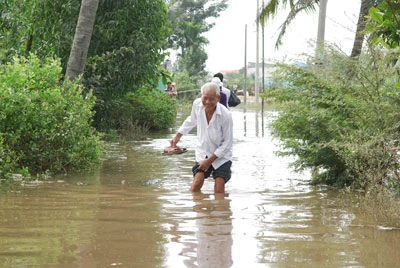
{"x":175,"y":140}
{"x":205,"y":164}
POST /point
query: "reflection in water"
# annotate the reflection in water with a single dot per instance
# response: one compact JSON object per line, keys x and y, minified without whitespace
{"x":256,"y":115}
{"x":214,"y":231}
{"x":262,"y":116}
{"x":244,"y":123}
{"x":255,"y":124}
{"x":201,"y":236}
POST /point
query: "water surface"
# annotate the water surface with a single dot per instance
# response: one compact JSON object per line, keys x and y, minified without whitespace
{"x":136,"y":211}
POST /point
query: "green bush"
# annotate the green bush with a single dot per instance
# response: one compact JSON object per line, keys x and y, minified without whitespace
{"x":45,"y":125}
{"x":151,"y":108}
{"x":341,"y":119}
{"x":7,"y":158}
{"x":187,"y":89}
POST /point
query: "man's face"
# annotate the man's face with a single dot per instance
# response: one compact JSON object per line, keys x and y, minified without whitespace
{"x":210,"y":100}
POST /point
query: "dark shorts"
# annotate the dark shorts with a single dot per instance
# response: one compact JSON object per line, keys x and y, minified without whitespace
{"x":223,"y":171}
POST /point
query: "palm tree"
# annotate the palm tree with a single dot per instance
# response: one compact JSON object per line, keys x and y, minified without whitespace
{"x":83,"y":34}
{"x":362,"y":21}
{"x":271,"y":10}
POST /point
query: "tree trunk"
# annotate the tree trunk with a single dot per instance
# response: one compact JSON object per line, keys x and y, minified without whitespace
{"x":321,"y":31}
{"x":359,"y":38}
{"x":83,"y":34}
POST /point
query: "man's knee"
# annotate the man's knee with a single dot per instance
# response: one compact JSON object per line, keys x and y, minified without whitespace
{"x":198,"y":181}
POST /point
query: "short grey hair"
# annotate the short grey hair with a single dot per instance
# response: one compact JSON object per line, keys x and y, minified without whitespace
{"x":211,"y":86}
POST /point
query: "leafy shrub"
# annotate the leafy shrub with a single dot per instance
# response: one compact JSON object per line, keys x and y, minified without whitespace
{"x":7,"y":164}
{"x":151,"y":108}
{"x":342,"y":118}
{"x":133,"y":116}
{"x":45,"y":125}
{"x":106,"y":76}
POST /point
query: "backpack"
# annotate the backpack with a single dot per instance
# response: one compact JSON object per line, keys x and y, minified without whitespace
{"x":233,"y":100}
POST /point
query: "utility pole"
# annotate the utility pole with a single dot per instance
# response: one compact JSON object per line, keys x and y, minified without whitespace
{"x":263,"y":86}
{"x":245,"y":63}
{"x":257,"y":52}
{"x":319,"y":53}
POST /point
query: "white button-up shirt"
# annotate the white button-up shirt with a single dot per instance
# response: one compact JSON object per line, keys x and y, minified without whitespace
{"x":215,"y":137}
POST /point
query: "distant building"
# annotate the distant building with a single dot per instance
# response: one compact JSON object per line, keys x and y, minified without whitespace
{"x":224,"y":72}
{"x":269,"y":68}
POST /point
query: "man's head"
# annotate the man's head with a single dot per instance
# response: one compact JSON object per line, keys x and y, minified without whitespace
{"x":210,"y":95}
{"x":217,"y":81}
{"x":220,"y":76}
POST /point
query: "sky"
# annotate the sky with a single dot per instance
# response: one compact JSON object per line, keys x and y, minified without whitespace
{"x":226,"y":50}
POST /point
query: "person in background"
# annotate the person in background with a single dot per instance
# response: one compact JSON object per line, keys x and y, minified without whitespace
{"x":225,"y":90}
{"x":168,"y":89}
{"x":214,"y":138}
{"x":174,"y":91}
{"x":223,"y":100}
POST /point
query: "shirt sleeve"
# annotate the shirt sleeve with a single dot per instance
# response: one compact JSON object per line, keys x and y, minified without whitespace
{"x":191,"y":121}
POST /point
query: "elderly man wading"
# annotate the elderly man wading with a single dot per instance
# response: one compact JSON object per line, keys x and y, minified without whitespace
{"x":214,"y":134}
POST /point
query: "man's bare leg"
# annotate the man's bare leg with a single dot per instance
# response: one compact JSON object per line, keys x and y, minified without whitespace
{"x":198,"y":181}
{"x":219,"y":185}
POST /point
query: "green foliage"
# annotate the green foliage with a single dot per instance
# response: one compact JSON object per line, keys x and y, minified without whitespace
{"x":7,"y":158}
{"x":237,"y":79}
{"x":125,"y":54}
{"x":194,"y":62}
{"x":151,"y":108}
{"x":44,"y":126}
{"x":187,"y":88}
{"x":341,"y":118}
{"x":384,"y":23}
{"x":128,"y":40}
{"x":126,"y":50}
{"x":45,"y":27}
{"x":190,"y":20}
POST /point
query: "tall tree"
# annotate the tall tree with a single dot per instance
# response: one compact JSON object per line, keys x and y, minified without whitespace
{"x":271,"y":10}
{"x":127,"y":49}
{"x":189,"y":20}
{"x":362,"y":21}
{"x":43,"y":27}
{"x":128,"y":40}
{"x":83,"y":34}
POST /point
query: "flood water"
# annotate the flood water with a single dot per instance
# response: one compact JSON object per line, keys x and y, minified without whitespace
{"x":136,"y":211}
